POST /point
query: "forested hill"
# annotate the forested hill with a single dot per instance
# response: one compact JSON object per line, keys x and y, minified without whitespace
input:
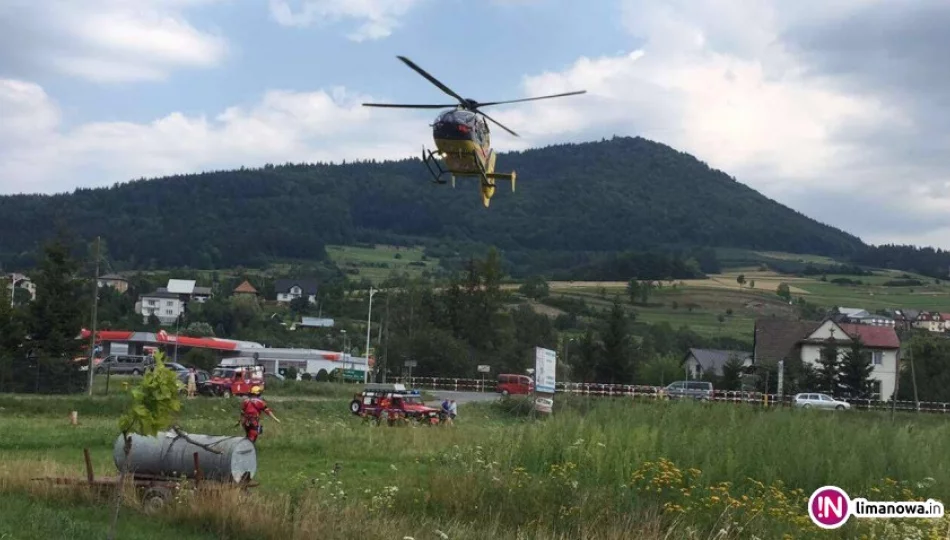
{"x":613,"y":195}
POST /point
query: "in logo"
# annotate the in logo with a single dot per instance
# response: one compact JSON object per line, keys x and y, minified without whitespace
{"x":829,"y":507}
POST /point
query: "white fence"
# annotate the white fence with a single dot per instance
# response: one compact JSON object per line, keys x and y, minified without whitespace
{"x":642,"y":392}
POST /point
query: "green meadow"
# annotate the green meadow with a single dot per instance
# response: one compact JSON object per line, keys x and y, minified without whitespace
{"x":606,"y":468}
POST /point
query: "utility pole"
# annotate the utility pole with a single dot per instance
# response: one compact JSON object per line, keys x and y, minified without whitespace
{"x":95,"y":308}
{"x":781,"y":376}
{"x":369,"y":319}
{"x":385,"y":365}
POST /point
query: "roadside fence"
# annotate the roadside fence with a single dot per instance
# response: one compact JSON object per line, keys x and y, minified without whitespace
{"x":649,"y":393}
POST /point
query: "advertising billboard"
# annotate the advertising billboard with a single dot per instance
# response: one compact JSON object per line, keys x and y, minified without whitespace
{"x":545,"y":362}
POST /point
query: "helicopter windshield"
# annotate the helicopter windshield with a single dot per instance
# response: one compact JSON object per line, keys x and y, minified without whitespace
{"x":456,"y":116}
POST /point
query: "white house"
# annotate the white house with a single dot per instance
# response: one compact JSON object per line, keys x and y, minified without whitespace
{"x":703,"y":361}
{"x":931,"y":321}
{"x":881,"y":341}
{"x":289,"y":289}
{"x":161,"y":303}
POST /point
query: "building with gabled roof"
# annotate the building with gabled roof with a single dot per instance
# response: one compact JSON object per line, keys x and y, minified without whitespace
{"x":701,"y":362}
{"x":289,"y":289}
{"x":777,"y":339}
{"x":245,"y":289}
{"x":116,"y":281}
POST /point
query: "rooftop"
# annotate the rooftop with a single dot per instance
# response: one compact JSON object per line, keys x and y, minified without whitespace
{"x":245,"y":287}
{"x":181,"y":286}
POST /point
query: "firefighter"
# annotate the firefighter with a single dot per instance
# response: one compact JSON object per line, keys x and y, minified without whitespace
{"x":251,"y":409}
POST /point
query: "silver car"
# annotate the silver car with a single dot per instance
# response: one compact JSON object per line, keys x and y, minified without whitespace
{"x":819,"y":401}
{"x":125,"y":364}
{"x":700,"y":390}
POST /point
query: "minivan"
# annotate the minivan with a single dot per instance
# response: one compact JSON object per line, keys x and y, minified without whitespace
{"x":509,"y":384}
{"x":701,"y":390}
{"x":124,"y":364}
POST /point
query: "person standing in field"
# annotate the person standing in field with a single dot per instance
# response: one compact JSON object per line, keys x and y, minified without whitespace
{"x":251,"y":410}
{"x":192,"y":383}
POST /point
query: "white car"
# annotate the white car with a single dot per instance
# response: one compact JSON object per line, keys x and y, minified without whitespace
{"x":819,"y":401}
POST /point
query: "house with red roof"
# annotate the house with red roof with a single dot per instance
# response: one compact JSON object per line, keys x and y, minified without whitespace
{"x":778,"y":339}
{"x":882,"y":342}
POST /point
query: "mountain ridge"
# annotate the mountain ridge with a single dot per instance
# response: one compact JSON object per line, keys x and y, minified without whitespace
{"x":612,"y":195}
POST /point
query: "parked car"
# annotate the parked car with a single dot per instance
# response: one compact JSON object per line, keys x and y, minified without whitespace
{"x":125,"y":364}
{"x":819,"y":401}
{"x":202,"y":381}
{"x":177,"y":368}
{"x":700,"y":390}
{"x":509,"y":384}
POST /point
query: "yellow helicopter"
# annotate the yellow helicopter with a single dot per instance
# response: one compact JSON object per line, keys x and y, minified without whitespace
{"x":462,"y":138}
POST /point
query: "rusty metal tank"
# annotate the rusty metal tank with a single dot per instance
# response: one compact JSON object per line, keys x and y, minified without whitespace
{"x":170,"y":455}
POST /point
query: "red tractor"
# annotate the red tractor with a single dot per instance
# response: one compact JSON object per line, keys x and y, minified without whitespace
{"x":235,"y":381}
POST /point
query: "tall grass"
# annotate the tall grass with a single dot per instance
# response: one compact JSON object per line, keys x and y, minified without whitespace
{"x":598,"y":468}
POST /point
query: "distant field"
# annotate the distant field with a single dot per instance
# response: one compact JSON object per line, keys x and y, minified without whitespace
{"x":709,"y":298}
{"x":378,"y":263}
{"x":731,"y":258}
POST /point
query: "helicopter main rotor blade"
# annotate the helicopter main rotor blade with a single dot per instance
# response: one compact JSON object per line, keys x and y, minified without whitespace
{"x":502,"y":126}
{"x":432,"y":79}
{"x":531,"y":99}
{"x":408,"y":106}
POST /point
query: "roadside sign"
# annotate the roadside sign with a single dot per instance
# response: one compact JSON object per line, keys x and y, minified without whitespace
{"x":544,"y":368}
{"x":484,"y":369}
{"x":410,"y":363}
{"x":352,"y":375}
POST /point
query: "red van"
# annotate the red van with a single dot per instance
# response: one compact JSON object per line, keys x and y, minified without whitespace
{"x":509,"y":384}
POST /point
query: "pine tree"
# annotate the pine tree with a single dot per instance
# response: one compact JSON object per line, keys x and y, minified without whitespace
{"x":585,"y":361}
{"x":828,"y":367}
{"x":54,"y":318}
{"x":616,"y":366}
{"x":731,"y":374}
{"x":856,"y":369}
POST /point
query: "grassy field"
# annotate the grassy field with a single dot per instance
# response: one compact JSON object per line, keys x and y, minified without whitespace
{"x":599,"y":468}
{"x":381,"y":261}
{"x":698,"y":303}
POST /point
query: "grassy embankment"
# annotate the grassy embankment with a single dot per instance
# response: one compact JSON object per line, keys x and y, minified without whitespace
{"x":599,"y":468}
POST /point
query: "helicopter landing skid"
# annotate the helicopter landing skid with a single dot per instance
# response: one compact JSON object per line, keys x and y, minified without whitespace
{"x":430,"y":160}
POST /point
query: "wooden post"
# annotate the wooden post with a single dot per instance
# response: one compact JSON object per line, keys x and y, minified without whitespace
{"x":89,"y":476}
{"x":198,"y":475}
{"x":74,"y":418}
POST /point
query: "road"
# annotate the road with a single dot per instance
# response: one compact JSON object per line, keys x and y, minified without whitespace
{"x":463,"y":397}
{"x":439,"y":395}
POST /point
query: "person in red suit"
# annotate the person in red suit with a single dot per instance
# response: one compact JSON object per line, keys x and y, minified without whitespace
{"x":251,"y":409}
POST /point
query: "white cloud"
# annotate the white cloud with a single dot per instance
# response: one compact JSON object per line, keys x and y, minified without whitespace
{"x":378,"y":18}
{"x":37,"y":155}
{"x":713,"y":78}
{"x":108,"y":40}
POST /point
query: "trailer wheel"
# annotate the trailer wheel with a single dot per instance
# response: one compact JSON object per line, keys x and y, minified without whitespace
{"x":155,"y":499}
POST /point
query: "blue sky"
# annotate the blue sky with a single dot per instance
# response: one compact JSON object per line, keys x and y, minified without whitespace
{"x":840,"y":110}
